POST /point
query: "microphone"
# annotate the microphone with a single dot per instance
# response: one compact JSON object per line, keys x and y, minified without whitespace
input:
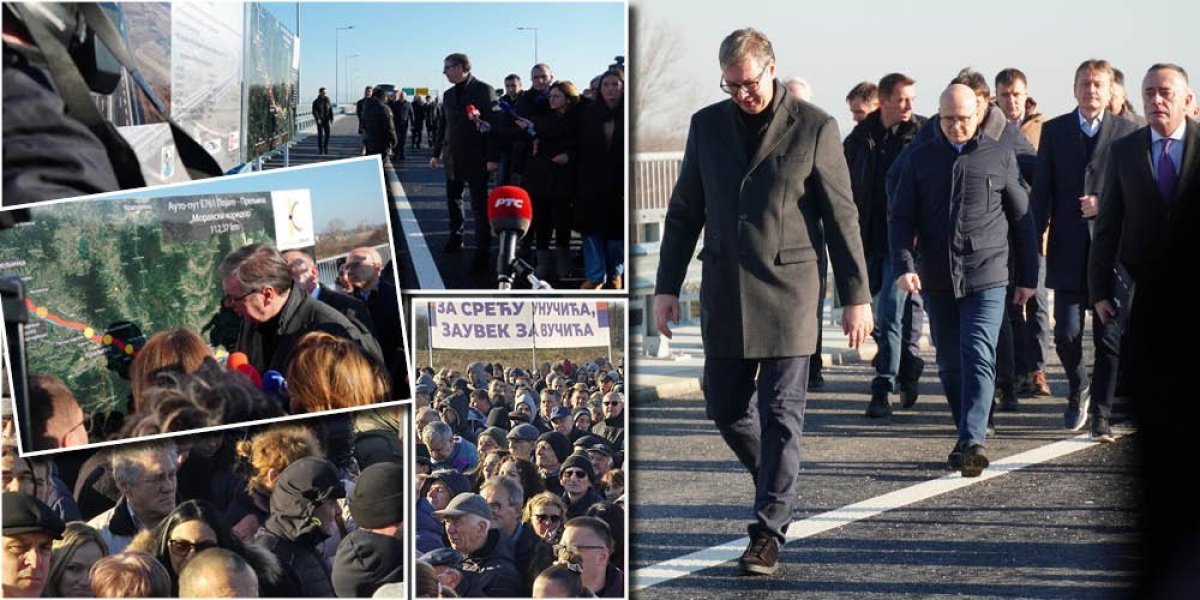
{"x":240,"y":363}
{"x":473,"y":116}
{"x":509,"y":212}
{"x":275,"y":387}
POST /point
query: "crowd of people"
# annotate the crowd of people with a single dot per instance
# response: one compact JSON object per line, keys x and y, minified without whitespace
{"x":562,"y":142}
{"x":297,"y":346}
{"x":520,"y":480}
{"x":307,"y":508}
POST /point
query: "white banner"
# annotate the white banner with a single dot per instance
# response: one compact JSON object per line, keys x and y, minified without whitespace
{"x":503,"y":324}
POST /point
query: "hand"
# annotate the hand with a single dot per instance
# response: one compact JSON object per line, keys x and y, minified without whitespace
{"x":522,"y":123}
{"x":1021,"y":295}
{"x":909,"y":282}
{"x":1089,"y":205}
{"x":1106,"y":311}
{"x":857,"y":323}
{"x":666,"y":311}
{"x":434,"y":163}
{"x":492,"y":165}
{"x":560,"y":159}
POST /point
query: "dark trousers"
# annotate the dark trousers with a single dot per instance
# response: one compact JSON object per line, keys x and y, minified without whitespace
{"x":815,"y":362}
{"x":1069,"y":310}
{"x":454,"y":203}
{"x":964,"y":332}
{"x":1030,"y":326}
{"x":416,"y":134}
{"x":401,"y":134}
{"x":322,"y":137}
{"x":1107,"y":339}
{"x":758,"y":406}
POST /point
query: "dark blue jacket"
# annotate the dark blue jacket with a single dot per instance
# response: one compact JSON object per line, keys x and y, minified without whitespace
{"x":960,"y":208}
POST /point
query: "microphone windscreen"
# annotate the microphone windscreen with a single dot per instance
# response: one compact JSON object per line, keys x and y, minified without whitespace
{"x":509,"y":209}
{"x":236,"y":360}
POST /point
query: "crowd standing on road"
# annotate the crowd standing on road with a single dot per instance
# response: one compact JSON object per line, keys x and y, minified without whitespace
{"x":520,"y":483}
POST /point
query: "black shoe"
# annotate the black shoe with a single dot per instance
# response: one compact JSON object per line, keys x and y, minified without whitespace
{"x":480,"y":262}
{"x":454,"y":244}
{"x":1077,"y":410}
{"x":974,"y":461}
{"x":816,"y":382}
{"x":1101,"y":432}
{"x":761,"y":556}
{"x":1008,"y":400}
{"x":908,"y":393}
{"x":954,"y":462}
{"x":879,"y":406}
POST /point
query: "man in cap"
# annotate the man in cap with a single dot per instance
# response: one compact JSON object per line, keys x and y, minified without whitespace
{"x":522,"y":440}
{"x":303,"y":510}
{"x":30,"y":528}
{"x":447,"y":565}
{"x":487,"y":552}
{"x":578,"y":482}
{"x":602,"y":459}
{"x":531,"y":553}
{"x":373,"y":554}
{"x":551,"y":450}
{"x":563,"y":423}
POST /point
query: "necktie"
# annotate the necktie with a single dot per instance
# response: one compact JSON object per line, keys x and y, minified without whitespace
{"x":1167,"y":176}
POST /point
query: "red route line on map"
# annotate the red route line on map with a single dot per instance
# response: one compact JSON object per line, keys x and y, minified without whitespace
{"x":100,"y":339}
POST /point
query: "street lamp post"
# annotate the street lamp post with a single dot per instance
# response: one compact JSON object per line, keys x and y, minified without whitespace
{"x":336,"y":88}
{"x":346,"y":65}
{"x":535,"y":41}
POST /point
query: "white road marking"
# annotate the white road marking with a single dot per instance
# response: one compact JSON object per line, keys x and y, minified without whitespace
{"x":817,"y":524}
{"x":428,"y":276}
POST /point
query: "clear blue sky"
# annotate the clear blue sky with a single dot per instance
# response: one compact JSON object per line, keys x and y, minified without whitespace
{"x":834,"y":45}
{"x":348,"y":190}
{"x":404,"y":43}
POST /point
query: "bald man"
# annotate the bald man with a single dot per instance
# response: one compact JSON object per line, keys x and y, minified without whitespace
{"x":217,"y":573}
{"x":960,"y":181}
{"x":371,"y":281}
{"x":304,"y":272}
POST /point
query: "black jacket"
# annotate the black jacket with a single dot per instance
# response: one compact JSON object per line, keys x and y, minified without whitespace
{"x":870,"y":150}
{"x":366,"y":560}
{"x":322,"y":109}
{"x":961,"y":208}
{"x":491,"y":569}
{"x":600,"y":203}
{"x":580,"y":507}
{"x":463,"y":148}
{"x":378,"y":127}
{"x":613,"y":430}
{"x":383,"y":302}
{"x":350,"y":307}
{"x":402,"y":112}
{"x":532,"y":556}
{"x":269,"y":345}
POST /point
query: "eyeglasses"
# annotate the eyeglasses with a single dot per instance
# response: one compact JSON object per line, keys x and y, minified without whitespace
{"x":749,"y":86}
{"x":228,"y":300}
{"x":575,"y":548}
{"x":576,"y":473}
{"x":62,"y":440}
{"x":185,"y":547}
{"x":612,"y":403}
{"x":548,"y":518}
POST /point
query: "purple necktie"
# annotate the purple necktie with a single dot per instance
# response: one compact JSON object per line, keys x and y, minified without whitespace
{"x":1167,"y":176}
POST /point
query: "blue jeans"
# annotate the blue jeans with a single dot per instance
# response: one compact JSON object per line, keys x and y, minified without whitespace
{"x":603,"y":259}
{"x":965,"y":332}
{"x":888,"y":308}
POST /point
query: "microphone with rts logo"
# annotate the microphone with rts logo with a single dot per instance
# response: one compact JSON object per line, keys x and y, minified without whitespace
{"x":509,"y":211}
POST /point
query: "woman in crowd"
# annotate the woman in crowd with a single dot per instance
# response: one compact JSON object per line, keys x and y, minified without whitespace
{"x":489,"y":467}
{"x":545,"y":513}
{"x":550,"y":179}
{"x":328,"y":372}
{"x":600,"y":206}
{"x":526,"y":474}
{"x":268,"y":453}
{"x":71,"y":561}
{"x":178,"y":350}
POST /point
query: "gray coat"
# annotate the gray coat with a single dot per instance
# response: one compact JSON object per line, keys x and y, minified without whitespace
{"x":760,"y":283}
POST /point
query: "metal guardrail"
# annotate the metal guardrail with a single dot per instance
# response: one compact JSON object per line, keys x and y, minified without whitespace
{"x":654,"y":175}
{"x":327,"y":268}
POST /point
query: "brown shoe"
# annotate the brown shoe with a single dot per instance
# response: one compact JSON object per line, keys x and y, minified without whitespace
{"x":615,"y":283}
{"x":761,"y":556}
{"x":1041,"y":388}
{"x":591,"y":285}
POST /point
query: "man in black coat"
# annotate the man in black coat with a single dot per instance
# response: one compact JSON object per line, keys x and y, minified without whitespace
{"x":322,"y":111}
{"x":402,"y":115}
{"x":358,"y":111}
{"x":369,"y":278}
{"x":464,"y":146}
{"x":276,"y":312}
{"x":379,"y":129}
{"x":871,"y":148}
{"x":1072,"y":160}
{"x":959,"y":195}
{"x":752,"y":165}
{"x":418,"y":120}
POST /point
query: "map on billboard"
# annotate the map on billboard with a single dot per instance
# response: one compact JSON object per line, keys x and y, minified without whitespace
{"x":206,"y":64}
{"x":270,"y":76}
{"x":102,"y":276}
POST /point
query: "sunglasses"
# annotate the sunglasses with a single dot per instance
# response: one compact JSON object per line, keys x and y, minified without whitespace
{"x":548,"y":518}
{"x":185,"y":547}
{"x":575,"y":473}
{"x":575,"y":548}
{"x":611,"y":403}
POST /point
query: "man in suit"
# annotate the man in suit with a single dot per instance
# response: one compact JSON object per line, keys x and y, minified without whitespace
{"x":754,"y":166}
{"x":1065,"y":199}
{"x":464,"y":145}
{"x":1149,"y":214}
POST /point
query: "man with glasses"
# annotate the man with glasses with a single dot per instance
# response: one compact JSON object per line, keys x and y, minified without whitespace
{"x":531,"y":553}
{"x":57,"y":420}
{"x":577,"y":477}
{"x":145,"y":475}
{"x":588,"y":542}
{"x":487,"y":551}
{"x":760,"y":282}
{"x":466,"y":148}
{"x":613,"y":426}
{"x":276,"y":312}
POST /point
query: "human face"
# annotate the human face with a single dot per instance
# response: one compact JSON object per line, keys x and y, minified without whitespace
{"x":583,"y":422}
{"x":26,"y":564}
{"x":440,"y":450}
{"x":1093,"y":90}
{"x":611,"y":89}
{"x":1116,"y":102}
{"x":487,"y":444}
{"x":512,"y":87}
{"x":1011,"y":99}
{"x":504,"y":515}
{"x":575,"y":481}
{"x":521,"y":448}
{"x":613,"y":406}
{"x":304,"y":271}
{"x":542,"y":78}
{"x":367,"y":91}
{"x":546,"y":520}
{"x":75,"y":580}
{"x":20,"y":477}
{"x":1166,"y":100}
{"x":584,"y":544}
{"x":361,"y":271}
{"x":563,"y":425}
{"x":152,"y":496}
{"x":897,"y":108}
{"x":558,"y":100}
{"x":186,"y":539}
{"x":549,"y":403}
{"x":547,"y":460}
{"x":439,"y":495}
{"x":467,"y":533}
{"x":252,"y":306}
{"x":454,"y":72}
{"x":754,"y":81}
{"x":491,"y":465}
{"x":601,"y":462}
{"x":959,"y":117}
{"x":859,"y":108}
{"x":522,"y":410}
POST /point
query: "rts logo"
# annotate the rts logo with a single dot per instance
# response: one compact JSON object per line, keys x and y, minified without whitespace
{"x":517,"y":203}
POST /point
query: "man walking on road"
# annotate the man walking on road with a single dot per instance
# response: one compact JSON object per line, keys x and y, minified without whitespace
{"x":402,"y":114}
{"x":322,"y":111}
{"x":760,"y":281}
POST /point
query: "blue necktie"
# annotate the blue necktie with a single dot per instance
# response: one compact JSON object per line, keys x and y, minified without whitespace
{"x":1167,"y":176}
